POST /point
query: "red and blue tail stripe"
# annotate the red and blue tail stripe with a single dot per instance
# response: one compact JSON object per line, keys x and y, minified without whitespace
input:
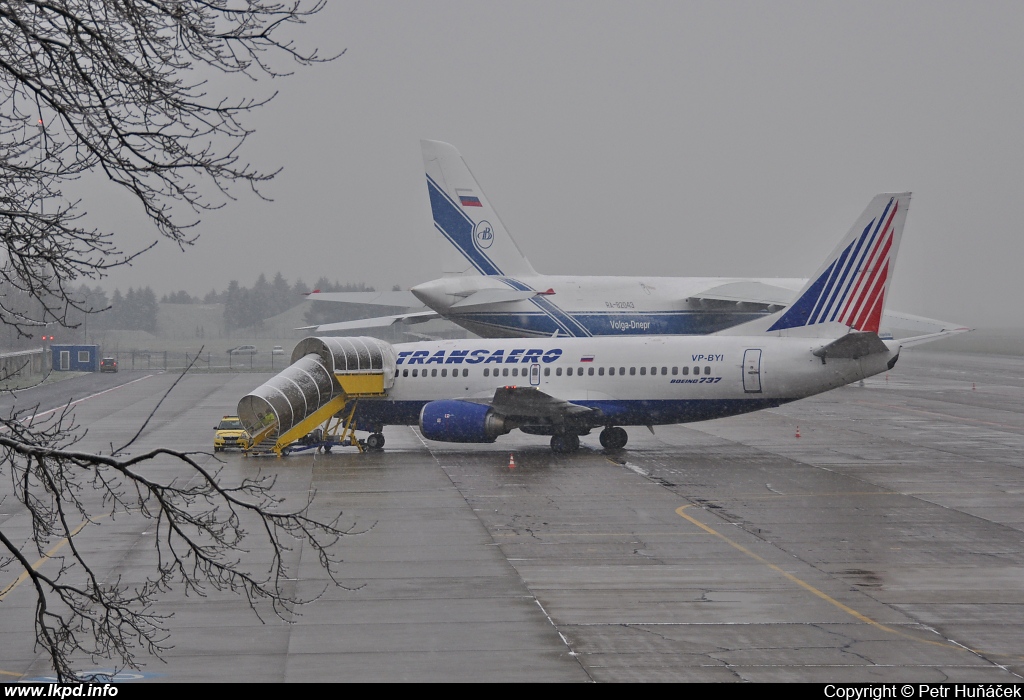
{"x":851,"y":289}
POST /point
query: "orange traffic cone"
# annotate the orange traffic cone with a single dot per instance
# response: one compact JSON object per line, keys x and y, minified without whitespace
{"x":511,"y":461}
{"x":798,"y":431}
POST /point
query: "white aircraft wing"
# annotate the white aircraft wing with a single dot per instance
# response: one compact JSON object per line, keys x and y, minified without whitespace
{"x":748,"y":291}
{"x":378,"y":322}
{"x":485,"y":297}
{"x":754,"y":292}
{"x":375,"y":298}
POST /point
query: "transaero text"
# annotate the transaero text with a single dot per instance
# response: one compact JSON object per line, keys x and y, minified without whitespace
{"x":475,"y":357}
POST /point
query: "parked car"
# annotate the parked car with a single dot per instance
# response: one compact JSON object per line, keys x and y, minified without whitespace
{"x":230,"y":433}
{"x":108,"y":364}
{"x":243,"y":350}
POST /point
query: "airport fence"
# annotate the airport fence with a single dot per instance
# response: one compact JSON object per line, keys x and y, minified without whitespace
{"x":171,"y":360}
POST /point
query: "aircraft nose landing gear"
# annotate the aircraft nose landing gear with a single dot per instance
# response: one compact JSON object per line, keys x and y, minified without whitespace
{"x":613,"y":438}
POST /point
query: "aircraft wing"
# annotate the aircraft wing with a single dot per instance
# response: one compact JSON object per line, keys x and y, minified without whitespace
{"x":378,"y":322}
{"x":374,"y":298}
{"x":748,"y":291}
{"x":485,"y":297}
{"x":528,"y":404}
{"x":754,"y":292}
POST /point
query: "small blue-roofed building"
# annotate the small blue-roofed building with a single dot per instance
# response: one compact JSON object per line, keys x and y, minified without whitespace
{"x":75,"y":358}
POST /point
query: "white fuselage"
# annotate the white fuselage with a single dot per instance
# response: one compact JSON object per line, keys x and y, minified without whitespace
{"x":633,"y":381}
{"x":586,"y":306}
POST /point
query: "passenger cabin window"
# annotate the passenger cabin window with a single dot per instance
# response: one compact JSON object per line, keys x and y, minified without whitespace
{"x":433,"y":373}
{"x":696,"y":370}
{"x":632,"y":371}
{"x":707,"y":370}
{"x":590,"y":371}
{"x":547,"y":371}
{"x":664,"y":370}
{"x":643,"y":371}
{"x":579,"y":372}
{"x":558,"y":371}
{"x":405,"y":373}
{"x":622,"y":370}
{"x":675,"y":371}
{"x":686,"y":370}
{"x":444,"y":373}
{"x":504,"y":372}
{"x":415,"y":373}
{"x":600,"y":371}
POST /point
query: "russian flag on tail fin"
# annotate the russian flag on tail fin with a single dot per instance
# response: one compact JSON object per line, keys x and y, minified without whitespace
{"x":851,"y":286}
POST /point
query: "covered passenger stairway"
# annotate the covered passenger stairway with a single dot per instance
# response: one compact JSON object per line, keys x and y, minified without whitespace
{"x":318,"y":391}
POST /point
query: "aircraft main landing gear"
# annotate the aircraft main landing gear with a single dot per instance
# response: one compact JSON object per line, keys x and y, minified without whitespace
{"x":564,"y":444}
{"x":375,"y":441}
{"x":613,"y":438}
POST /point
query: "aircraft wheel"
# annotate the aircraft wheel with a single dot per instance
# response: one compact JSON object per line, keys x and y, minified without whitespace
{"x":375,"y":441}
{"x":621,"y":438}
{"x":327,"y":449}
{"x":564,"y":444}
{"x":613,"y":438}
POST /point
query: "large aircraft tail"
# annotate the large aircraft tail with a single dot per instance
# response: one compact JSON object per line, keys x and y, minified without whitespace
{"x":464,"y":216}
{"x":848,"y":291}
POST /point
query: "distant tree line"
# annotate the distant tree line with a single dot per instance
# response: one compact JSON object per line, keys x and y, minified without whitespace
{"x":93,"y":310}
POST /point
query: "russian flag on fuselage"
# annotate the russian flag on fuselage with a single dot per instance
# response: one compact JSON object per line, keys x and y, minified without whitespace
{"x":851,"y":289}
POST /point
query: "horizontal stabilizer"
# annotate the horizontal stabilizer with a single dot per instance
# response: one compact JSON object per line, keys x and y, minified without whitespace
{"x":931,"y":337}
{"x":852,"y":346}
{"x":922,"y":324}
{"x":486,"y":297}
{"x":375,"y":298}
{"x":378,"y":322}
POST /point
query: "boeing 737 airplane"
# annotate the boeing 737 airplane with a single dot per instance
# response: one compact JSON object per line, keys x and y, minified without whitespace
{"x":478,"y":390}
{"x":491,"y":289}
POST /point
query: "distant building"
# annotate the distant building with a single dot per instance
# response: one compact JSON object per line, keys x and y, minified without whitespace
{"x":75,"y":358}
{"x":22,"y":364}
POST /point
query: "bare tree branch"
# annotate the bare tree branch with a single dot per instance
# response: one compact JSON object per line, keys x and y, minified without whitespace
{"x":131,"y":91}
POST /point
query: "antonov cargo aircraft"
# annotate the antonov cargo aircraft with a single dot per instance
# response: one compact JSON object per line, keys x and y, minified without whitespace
{"x":478,"y":390}
{"x":491,"y":289}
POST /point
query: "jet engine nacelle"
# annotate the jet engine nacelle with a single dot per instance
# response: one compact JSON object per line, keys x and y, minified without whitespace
{"x":461,"y":421}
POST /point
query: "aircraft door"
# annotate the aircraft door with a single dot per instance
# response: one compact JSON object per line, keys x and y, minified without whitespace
{"x":534,"y":375}
{"x":752,"y":371}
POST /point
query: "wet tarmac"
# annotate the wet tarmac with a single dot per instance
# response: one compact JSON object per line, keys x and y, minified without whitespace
{"x":885,"y":543}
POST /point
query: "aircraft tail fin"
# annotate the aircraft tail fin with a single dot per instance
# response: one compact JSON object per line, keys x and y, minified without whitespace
{"x":849,"y":290}
{"x":464,"y":216}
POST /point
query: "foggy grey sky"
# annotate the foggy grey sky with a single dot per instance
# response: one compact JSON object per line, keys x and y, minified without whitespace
{"x":676,"y":138}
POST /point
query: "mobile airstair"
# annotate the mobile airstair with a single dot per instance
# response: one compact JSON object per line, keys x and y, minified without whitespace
{"x":313,"y":401}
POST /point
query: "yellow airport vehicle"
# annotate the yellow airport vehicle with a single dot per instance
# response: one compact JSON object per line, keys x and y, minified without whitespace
{"x":230,"y":433}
